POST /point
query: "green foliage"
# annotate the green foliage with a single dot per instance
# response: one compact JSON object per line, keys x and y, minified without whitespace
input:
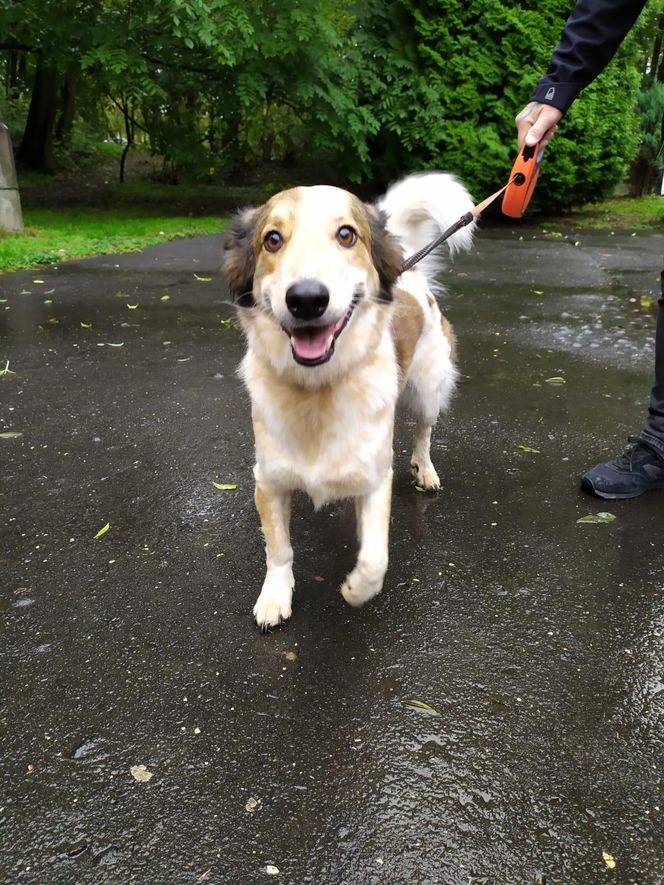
{"x":372,"y":89}
{"x":450,"y":76}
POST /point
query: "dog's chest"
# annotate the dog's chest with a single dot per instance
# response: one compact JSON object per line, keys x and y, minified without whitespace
{"x":332,"y":442}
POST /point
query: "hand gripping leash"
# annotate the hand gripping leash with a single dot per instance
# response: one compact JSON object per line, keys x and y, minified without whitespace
{"x":518,"y":191}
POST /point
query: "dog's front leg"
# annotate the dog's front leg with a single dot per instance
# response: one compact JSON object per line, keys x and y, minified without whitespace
{"x":273,"y":606}
{"x":373,"y":512}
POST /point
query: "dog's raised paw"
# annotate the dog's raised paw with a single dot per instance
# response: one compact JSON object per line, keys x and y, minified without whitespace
{"x":359,"y":588}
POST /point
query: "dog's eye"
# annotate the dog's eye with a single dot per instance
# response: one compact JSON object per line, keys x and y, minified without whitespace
{"x":346,"y":236}
{"x":273,"y":241}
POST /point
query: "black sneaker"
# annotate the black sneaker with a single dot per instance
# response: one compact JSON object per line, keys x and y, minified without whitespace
{"x":636,"y":471}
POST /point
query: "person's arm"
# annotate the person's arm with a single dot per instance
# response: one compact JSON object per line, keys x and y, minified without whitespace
{"x":593,"y":33}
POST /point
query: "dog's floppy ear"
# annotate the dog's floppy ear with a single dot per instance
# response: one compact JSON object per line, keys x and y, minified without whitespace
{"x":239,"y":262}
{"x":386,"y":252}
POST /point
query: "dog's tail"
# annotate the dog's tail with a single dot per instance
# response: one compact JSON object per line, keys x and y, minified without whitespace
{"x":420,"y":208}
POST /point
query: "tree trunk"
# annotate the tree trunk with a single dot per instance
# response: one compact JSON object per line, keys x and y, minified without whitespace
{"x":36,"y":150}
{"x":69,"y":88}
{"x":129,"y":131}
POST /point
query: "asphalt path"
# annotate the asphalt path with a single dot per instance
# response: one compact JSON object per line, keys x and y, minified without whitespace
{"x":150,"y":734}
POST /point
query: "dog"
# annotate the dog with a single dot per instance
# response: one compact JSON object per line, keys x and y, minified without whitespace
{"x":336,"y":334}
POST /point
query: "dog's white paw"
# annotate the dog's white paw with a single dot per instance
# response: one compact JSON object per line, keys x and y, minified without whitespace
{"x":274,"y":605}
{"x":425,"y":475}
{"x":362,"y":584}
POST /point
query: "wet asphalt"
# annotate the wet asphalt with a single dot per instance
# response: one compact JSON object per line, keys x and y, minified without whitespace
{"x":292,"y":757}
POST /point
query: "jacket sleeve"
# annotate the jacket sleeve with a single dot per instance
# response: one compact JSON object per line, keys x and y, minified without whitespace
{"x":593,"y":33}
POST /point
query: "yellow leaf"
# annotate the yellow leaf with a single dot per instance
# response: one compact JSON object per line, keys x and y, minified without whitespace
{"x":609,"y":860}
{"x":225,"y":486}
{"x":165,"y":298}
{"x":421,"y":705}
{"x":102,"y":531}
{"x":110,"y":344}
{"x":86,"y":325}
{"x":132,"y":306}
{"x":203,"y":279}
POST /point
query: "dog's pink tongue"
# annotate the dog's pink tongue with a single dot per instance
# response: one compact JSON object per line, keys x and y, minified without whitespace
{"x":311,"y":343}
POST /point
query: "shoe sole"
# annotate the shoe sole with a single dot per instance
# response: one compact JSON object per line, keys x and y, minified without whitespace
{"x":588,"y":487}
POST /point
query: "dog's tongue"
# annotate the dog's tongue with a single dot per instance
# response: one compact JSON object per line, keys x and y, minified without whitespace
{"x":311,"y":342}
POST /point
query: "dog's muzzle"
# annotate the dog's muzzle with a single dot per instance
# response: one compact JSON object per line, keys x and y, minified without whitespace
{"x":313,"y":345}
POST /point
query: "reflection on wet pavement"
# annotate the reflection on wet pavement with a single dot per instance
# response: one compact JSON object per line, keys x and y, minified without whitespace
{"x":536,"y":641}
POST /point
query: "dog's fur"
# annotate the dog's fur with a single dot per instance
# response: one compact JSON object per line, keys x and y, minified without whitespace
{"x":326,"y":426}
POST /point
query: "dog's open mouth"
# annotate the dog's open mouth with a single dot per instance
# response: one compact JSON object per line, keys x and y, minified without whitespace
{"x":314,"y":345}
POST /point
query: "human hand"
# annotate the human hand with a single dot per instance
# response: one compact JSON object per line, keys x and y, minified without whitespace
{"x":537,"y":124}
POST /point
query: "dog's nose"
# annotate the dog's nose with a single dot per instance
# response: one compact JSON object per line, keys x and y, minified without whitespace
{"x":307,"y":299}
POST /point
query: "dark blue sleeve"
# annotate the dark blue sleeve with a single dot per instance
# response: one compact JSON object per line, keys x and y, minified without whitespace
{"x":592,"y":34}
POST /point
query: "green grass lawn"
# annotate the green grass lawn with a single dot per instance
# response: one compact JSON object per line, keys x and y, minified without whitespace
{"x":52,"y":235}
{"x":624,"y":213}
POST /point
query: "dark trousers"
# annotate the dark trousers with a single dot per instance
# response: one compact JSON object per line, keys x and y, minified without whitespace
{"x":653,"y":429}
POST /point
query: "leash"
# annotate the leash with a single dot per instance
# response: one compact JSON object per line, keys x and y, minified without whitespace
{"x":518,"y":191}
{"x":465,"y":220}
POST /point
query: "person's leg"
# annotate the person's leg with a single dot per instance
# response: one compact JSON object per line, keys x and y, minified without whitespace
{"x":653,"y":428}
{"x":641,"y":466}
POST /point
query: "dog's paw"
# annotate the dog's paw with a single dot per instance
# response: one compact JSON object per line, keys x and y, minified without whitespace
{"x":274,"y":605}
{"x":425,"y":476}
{"x":361,"y":585}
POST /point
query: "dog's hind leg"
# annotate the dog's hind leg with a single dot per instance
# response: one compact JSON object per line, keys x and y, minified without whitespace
{"x":373,"y":511}
{"x":421,"y":466}
{"x":273,"y":606}
{"x":431,"y":381}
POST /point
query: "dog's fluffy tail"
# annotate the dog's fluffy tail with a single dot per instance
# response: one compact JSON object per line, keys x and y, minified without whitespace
{"x":420,"y":208}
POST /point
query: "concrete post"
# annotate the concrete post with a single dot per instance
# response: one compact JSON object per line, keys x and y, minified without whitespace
{"x":10,"y":203}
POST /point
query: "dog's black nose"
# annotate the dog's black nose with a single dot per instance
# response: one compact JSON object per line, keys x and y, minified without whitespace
{"x":307,"y":299}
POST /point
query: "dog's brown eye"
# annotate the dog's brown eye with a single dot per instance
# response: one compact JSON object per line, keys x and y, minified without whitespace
{"x":273,"y":241}
{"x":346,"y":236}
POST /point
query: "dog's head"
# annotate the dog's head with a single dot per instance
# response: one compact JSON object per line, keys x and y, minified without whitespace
{"x":311,"y":262}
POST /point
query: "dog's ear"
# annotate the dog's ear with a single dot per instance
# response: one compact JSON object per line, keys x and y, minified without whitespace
{"x":386,"y":252}
{"x":239,"y":262}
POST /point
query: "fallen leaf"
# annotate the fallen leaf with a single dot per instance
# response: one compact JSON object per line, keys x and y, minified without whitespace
{"x":203,"y":876}
{"x":319,"y":578}
{"x":110,"y":344}
{"x":38,"y":281}
{"x":225,"y":486}
{"x":419,"y":489}
{"x":597,"y":518}
{"x":420,"y":705}
{"x":102,"y":531}
{"x":165,"y":298}
{"x":227,"y":323}
{"x":537,"y":292}
{"x":86,"y":325}
{"x":528,"y":449}
{"x":48,"y":301}
{"x":609,"y":860}
{"x":132,"y":306}
{"x":290,"y":656}
{"x":252,"y":804}
{"x":557,"y":379}
{"x":140,"y":773}
{"x":53,"y":321}
{"x":271,"y":870}
{"x":203,"y":279}
{"x":10,"y":434}
{"x":7,"y":370}
{"x":184,"y":359}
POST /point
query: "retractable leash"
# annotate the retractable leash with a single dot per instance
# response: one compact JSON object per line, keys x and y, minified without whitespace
{"x":517,"y":193}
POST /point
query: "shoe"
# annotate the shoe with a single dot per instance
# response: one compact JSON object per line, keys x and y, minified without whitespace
{"x":637,"y":470}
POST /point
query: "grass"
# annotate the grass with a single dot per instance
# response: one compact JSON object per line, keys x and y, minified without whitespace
{"x":54,"y":235}
{"x":626,"y":213}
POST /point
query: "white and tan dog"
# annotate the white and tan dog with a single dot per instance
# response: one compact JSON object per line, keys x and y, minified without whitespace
{"x":335,"y":335}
